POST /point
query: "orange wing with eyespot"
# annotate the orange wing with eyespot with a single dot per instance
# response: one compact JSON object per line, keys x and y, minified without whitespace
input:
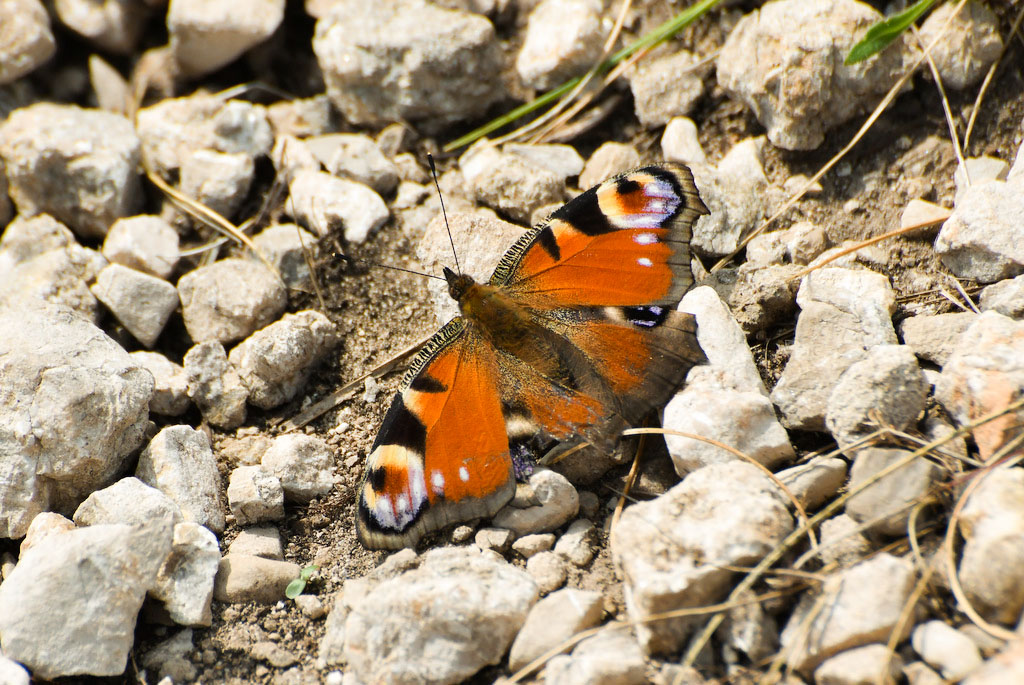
{"x":442,"y":453}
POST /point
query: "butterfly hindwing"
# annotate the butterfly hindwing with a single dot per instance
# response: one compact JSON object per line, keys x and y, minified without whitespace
{"x":442,"y":454}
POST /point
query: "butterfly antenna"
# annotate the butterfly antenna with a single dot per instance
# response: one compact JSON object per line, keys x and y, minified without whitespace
{"x":386,"y":266}
{"x":433,"y":173}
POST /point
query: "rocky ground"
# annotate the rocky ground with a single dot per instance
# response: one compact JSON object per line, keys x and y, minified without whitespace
{"x":195,"y":199}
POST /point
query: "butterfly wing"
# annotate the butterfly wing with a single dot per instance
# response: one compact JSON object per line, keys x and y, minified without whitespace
{"x":442,"y":453}
{"x":624,"y":242}
{"x":604,"y":274}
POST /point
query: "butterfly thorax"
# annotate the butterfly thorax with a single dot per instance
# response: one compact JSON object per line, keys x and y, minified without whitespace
{"x":489,"y":309}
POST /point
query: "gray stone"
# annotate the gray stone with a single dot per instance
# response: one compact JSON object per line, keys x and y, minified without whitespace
{"x":928,"y":216}
{"x":665,"y":87}
{"x":984,"y":237}
{"x":255,"y":496}
{"x":720,"y":515}
{"x":170,"y":390}
{"x":991,"y":567}
{"x":409,"y":60}
{"x":552,"y":621}
{"x":303,"y":463}
{"x":608,"y":160}
{"x":141,"y":302}
{"x":887,"y":501}
{"x":230,"y":299}
{"x":745,"y":421}
{"x":130,"y":501}
{"x":933,"y":337}
{"x":815,"y":482}
{"x":510,"y":183}
{"x":546,"y":502}
{"x":170,"y":658}
{"x":301,"y":117}
{"x":59,"y":276}
{"x":547,"y":570}
{"x":185,"y":581}
{"x":612,"y":657}
{"x":111,"y":25}
{"x":885,"y":388}
{"x":275,"y":362}
{"x":528,"y":545}
{"x":864,"y":605}
{"x":563,"y":39}
{"x":74,"y":406}
{"x":43,"y":525}
{"x":985,"y":370}
{"x":208,"y":34}
{"x":173,"y":129}
{"x":214,"y":385}
{"x":79,"y":165}
{"x":679,"y":142}
{"x":1005,"y":297}
{"x":968,"y":46}
{"x":946,"y":649}
{"x":815,"y":90}
{"x":561,"y":160}
{"x":26,"y":41}
{"x":311,"y":606}
{"x":860,"y":666}
{"x":841,"y":543}
{"x":735,"y":192}
{"x":258,"y":541}
{"x":12,"y":673}
{"x":285,"y":246}
{"x":98,"y":576}
{"x":357,"y":157}
{"x":494,"y":539}
{"x":27,"y":237}
{"x":918,"y":673}
{"x":978,"y":170}
{"x":242,"y":578}
{"x":844,"y":313}
{"x":144,"y":243}
{"x":1005,"y":668}
{"x":180,"y":463}
{"x":441,"y":622}
{"x":109,"y":86}
{"x":763,"y":296}
{"x":730,"y":363}
{"x":321,"y":201}
{"x":725,"y":399}
{"x":576,"y":544}
{"x":219,"y":180}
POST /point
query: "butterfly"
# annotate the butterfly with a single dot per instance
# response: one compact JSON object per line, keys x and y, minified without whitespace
{"x":574,"y":338}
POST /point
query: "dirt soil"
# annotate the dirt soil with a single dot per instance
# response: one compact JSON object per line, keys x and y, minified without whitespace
{"x":380,"y":312}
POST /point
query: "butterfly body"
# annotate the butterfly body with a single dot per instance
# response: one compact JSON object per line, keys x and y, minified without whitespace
{"x":573,"y":338}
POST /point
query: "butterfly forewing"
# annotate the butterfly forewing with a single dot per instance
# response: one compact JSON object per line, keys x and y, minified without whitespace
{"x":624,"y":242}
{"x":442,"y":453}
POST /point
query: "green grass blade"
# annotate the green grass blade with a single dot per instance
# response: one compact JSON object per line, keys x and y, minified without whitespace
{"x":886,"y":31}
{"x":662,"y":32}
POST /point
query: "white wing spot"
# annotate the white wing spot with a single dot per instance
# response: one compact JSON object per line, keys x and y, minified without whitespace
{"x":645,"y":238}
{"x":403,"y":503}
{"x":644,"y":261}
{"x":438,"y":481}
{"x":463,"y":473}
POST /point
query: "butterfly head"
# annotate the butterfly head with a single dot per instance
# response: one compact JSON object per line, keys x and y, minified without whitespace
{"x":458,"y":284}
